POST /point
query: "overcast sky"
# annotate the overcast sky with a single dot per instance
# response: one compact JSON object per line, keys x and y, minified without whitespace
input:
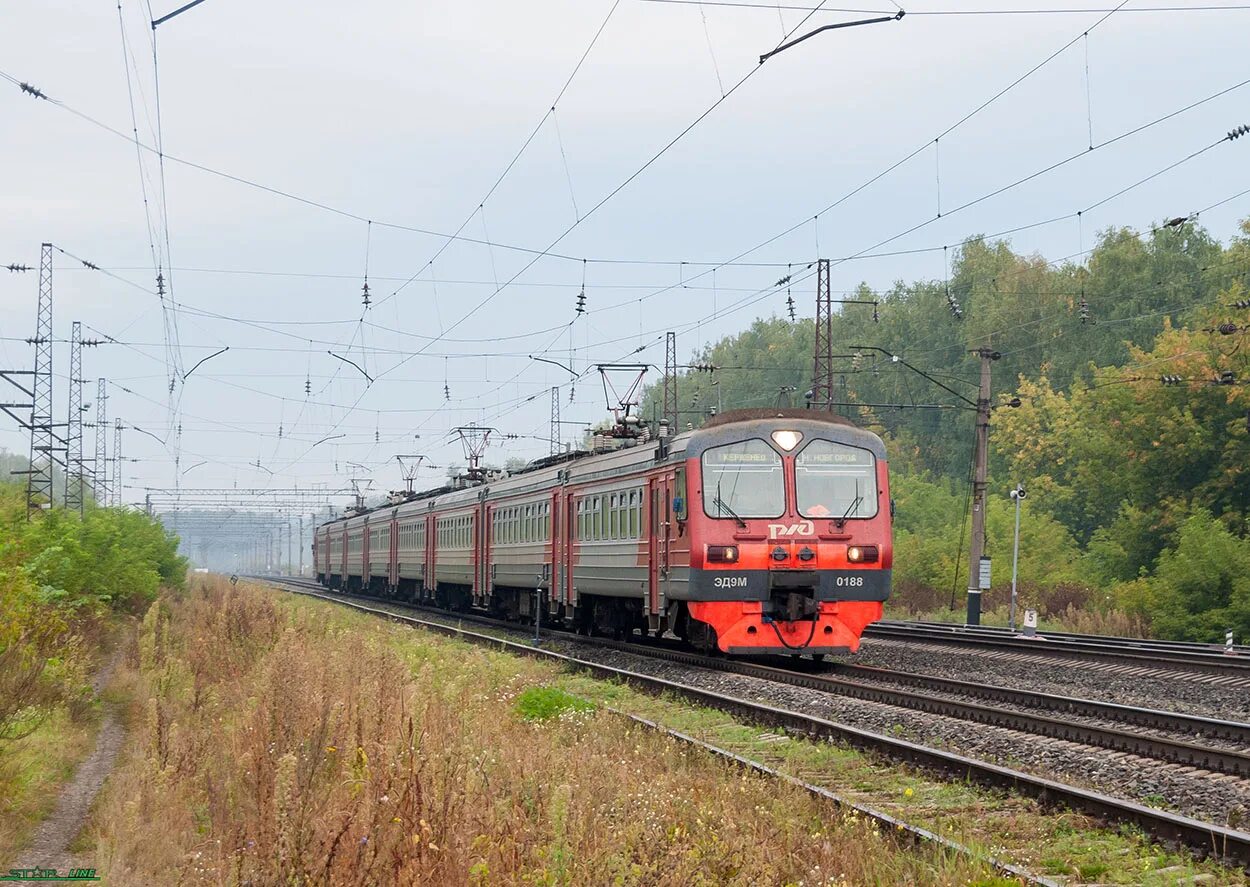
{"x":407,"y":113}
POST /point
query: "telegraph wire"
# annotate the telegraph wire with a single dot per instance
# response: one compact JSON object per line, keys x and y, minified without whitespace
{"x":620,"y":187}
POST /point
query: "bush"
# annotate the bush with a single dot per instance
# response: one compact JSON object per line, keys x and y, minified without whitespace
{"x":1200,"y":587}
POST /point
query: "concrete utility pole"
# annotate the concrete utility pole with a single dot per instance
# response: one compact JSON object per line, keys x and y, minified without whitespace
{"x":978,"y":573}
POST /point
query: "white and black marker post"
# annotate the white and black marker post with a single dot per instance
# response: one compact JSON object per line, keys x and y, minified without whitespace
{"x":1017,"y":494}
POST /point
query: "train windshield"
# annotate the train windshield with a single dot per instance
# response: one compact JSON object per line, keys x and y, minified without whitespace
{"x":835,"y":480}
{"x":743,"y":480}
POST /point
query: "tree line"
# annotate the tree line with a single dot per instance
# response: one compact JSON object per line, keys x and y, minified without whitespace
{"x":1120,"y":401}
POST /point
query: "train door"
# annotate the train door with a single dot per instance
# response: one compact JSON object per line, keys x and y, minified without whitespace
{"x":659,"y":547}
{"x":392,"y":559}
{"x":429,"y":578}
{"x":478,"y":558}
{"x":557,"y":575}
{"x":343,"y":556}
{"x":488,"y":543}
{"x":569,"y":547}
{"x":364,"y":555}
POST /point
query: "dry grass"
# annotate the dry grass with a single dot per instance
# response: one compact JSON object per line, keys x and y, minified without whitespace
{"x":1072,"y":618}
{"x":286,"y":744}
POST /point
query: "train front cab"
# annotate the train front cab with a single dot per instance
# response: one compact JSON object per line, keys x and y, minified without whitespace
{"x":790,"y":535}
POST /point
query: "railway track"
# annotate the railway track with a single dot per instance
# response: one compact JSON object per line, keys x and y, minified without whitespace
{"x":1131,"y":658}
{"x":1204,"y":837}
{"x":1104,"y":639}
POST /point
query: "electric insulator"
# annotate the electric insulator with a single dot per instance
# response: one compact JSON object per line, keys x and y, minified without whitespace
{"x":876,"y":314}
{"x":308,"y":385}
{"x":1238,"y":132}
{"x":1226,"y":377}
{"x":953,"y":304}
{"x":581,"y":301}
{"x":1242,"y":303}
{"x":790,"y":306}
{"x":446,"y":392}
{"x":364,"y":290}
{"x":1084,"y":305}
{"x":279,"y":431}
{"x":1171,"y":380}
{"x":857,"y":360}
{"x":1227,"y":329}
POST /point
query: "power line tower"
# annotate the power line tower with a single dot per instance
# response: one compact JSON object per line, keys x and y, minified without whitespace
{"x":73,"y":437}
{"x":39,"y":480}
{"x":670,"y":379}
{"x":100,"y":465}
{"x":117,"y":463}
{"x":822,"y":363}
{"x":555,"y":420}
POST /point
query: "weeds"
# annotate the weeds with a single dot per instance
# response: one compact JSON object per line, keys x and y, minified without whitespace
{"x":295,"y":744}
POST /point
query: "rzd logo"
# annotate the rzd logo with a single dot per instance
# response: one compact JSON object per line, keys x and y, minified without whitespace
{"x":802,"y":528}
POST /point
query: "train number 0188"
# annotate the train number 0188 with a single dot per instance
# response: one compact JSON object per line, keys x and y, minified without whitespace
{"x":730,"y":582}
{"x":850,"y":581}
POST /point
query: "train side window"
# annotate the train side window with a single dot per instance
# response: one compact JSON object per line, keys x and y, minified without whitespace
{"x":614,"y":518}
{"x":681,"y":509}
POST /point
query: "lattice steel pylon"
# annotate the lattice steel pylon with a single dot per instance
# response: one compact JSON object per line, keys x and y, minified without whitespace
{"x":555,"y":419}
{"x":670,"y":379}
{"x":73,"y":436}
{"x":100,"y":465}
{"x":39,"y":480}
{"x":116,"y":487}
{"x":822,"y":363}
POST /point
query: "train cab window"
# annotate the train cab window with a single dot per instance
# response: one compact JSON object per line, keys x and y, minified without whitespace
{"x":743,"y":480}
{"x":835,"y":480}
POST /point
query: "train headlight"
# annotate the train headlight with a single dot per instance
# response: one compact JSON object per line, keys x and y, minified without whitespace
{"x":722,"y":554}
{"x":787,"y":440}
{"x":862,"y":554}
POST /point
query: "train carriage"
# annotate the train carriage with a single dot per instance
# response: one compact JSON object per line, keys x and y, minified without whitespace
{"x":766,"y":531}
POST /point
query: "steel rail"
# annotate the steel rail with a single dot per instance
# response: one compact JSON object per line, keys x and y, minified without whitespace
{"x":1106,"y":639}
{"x":1216,"y":663}
{"x":1203,"y":837}
{"x":1156,"y":719}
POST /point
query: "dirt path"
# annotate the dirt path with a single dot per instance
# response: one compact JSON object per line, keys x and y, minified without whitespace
{"x":49,"y":846}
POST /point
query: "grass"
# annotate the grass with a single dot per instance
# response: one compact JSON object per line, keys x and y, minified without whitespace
{"x":33,"y":768}
{"x":285,"y":740}
{"x":32,"y":771}
{"x":288,"y":741}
